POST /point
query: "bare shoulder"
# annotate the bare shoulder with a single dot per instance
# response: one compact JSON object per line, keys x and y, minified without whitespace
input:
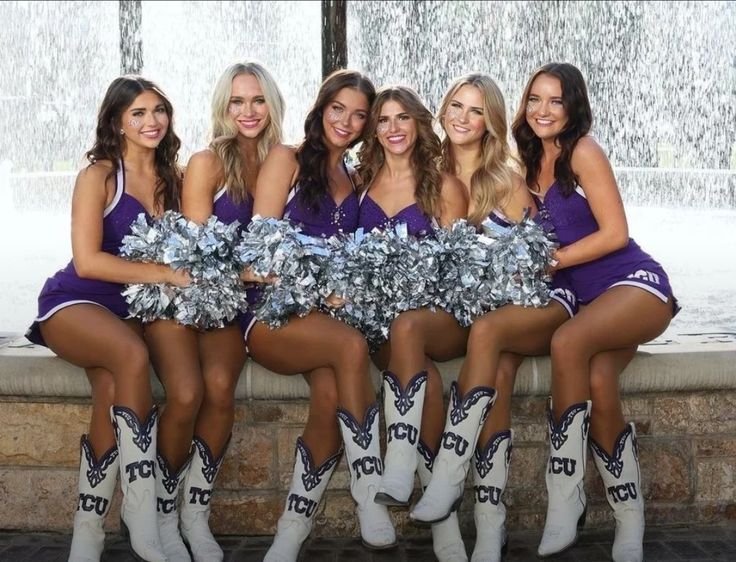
{"x":94,"y":175}
{"x":282,"y":153}
{"x":587,"y":150}
{"x":204,"y":160}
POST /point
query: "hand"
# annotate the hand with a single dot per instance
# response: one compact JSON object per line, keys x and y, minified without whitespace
{"x":178,"y":277}
{"x":333,"y":301}
{"x":248,"y":276}
{"x":554,"y":264}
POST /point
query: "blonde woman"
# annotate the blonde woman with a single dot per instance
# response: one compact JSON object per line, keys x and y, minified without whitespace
{"x":201,"y":369}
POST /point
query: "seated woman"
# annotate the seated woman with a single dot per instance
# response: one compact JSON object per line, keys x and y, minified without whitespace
{"x":402,"y":184}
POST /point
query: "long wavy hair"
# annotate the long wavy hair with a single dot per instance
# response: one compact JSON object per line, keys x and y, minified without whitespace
{"x":109,"y":142}
{"x":492,"y":183}
{"x":224,"y":133}
{"x":312,"y":152}
{"x":425,"y":154}
{"x":579,"y":121}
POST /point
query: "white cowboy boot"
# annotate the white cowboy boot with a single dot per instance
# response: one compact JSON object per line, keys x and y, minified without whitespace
{"x":168,"y":486}
{"x":490,"y":473}
{"x":622,"y":480}
{"x":464,"y":420}
{"x":447,"y":542}
{"x":137,"y":447}
{"x":194,"y":515}
{"x":568,"y":447}
{"x":97,"y":479}
{"x":363,"y":453}
{"x":403,"y":411}
{"x":307,"y":486}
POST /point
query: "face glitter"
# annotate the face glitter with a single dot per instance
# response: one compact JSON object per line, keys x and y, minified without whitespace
{"x":134,"y":123}
{"x":334,"y":114}
{"x":382,"y":127}
{"x":453,"y":112}
{"x":233,"y":108}
{"x":532,"y":105}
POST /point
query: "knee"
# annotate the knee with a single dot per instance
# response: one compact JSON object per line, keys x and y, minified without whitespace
{"x":485,"y":334}
{"x":353,"y":349}
{"x":566,"y":344}
{"x":220,"y":389}
{"x":184,"y":400}
{"x":405,"y":326}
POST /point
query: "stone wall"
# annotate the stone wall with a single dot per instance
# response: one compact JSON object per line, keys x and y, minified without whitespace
{"x":686,"y":424}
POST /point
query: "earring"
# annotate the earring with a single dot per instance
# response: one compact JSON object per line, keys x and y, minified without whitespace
{"x":122,"y":132}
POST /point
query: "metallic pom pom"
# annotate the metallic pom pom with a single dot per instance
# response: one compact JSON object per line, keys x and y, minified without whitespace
{"x":215,"y":295}
{"x":277,"y":248}
{"x":500,"y":265}
{"x":380,"y":274}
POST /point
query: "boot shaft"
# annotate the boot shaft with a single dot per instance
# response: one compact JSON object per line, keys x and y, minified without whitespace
{"x":97,"y":479}
{"x":491,"y":469}
{"x":620,"y":470}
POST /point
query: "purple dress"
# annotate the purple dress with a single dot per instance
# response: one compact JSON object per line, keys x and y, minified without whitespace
{"x":572,"y":219}
{"x":326,"y":221}
{"x":67,"y":288}
{"x":371,"y":216}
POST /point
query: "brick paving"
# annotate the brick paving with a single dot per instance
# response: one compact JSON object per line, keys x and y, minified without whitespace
{"x":670,"y":544}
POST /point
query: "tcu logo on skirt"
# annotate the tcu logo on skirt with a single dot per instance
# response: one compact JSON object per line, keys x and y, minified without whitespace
{"x":453,"y":441}
{"x":402,"y":431}
{"x":558,"y":465}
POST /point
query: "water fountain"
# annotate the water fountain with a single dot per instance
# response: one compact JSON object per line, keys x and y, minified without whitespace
{"x":662,"y":97}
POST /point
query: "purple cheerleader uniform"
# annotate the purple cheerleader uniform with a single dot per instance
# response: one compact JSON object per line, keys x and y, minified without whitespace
{"x":67,"y":288}
{"x":228,"y":212}
{"x":329,"y":219}
{"x":560,"y":288}
{"x":572,"y":219}
{"x":371,"y":216}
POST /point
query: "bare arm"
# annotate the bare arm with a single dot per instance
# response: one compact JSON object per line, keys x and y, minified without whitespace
{"x":275,"y":179}
{"x":454,"y":200}
{"x":599,"y":184}
{"x":201,"y":181}
{"x":88,"y":206}
{"x":518,"y":200}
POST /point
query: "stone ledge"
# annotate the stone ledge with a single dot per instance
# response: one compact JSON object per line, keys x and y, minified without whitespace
{"x":27,"y":370}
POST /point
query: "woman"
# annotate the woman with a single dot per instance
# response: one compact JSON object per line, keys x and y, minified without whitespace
{"x":625,"y":300}
{"x":398,"y":165}
{"x":312,"y":187}
{"x":475,"y":149}
{"x":200,"y":369}
{"x":83,"y":317}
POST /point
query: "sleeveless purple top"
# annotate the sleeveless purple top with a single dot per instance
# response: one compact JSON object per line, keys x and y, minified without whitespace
{"x":371,"y":216}
{"x":571,"y":219}
{"x":66,"y":287}
{"x":328,"y":219}
{"x":228,"y":212}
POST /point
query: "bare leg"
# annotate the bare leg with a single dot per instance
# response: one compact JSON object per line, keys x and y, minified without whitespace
{"x":100,"y":434}
{"x":607,"y":417}
{"x":321,"y":433}
{"x":90,"y":336}
{"x":499,"y":418}
{"x":526,"y":331}
{"x":315,"y":341}
{"x":222,"y":355}
{"x":175,"y":358}
{"x":415,"y":336}
{"x":622,"y":317}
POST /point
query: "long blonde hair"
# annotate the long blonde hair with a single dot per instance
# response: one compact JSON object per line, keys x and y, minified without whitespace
{"x":425,"y":154}
{"x":224,"y":134}
{"x":492,"y":182}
